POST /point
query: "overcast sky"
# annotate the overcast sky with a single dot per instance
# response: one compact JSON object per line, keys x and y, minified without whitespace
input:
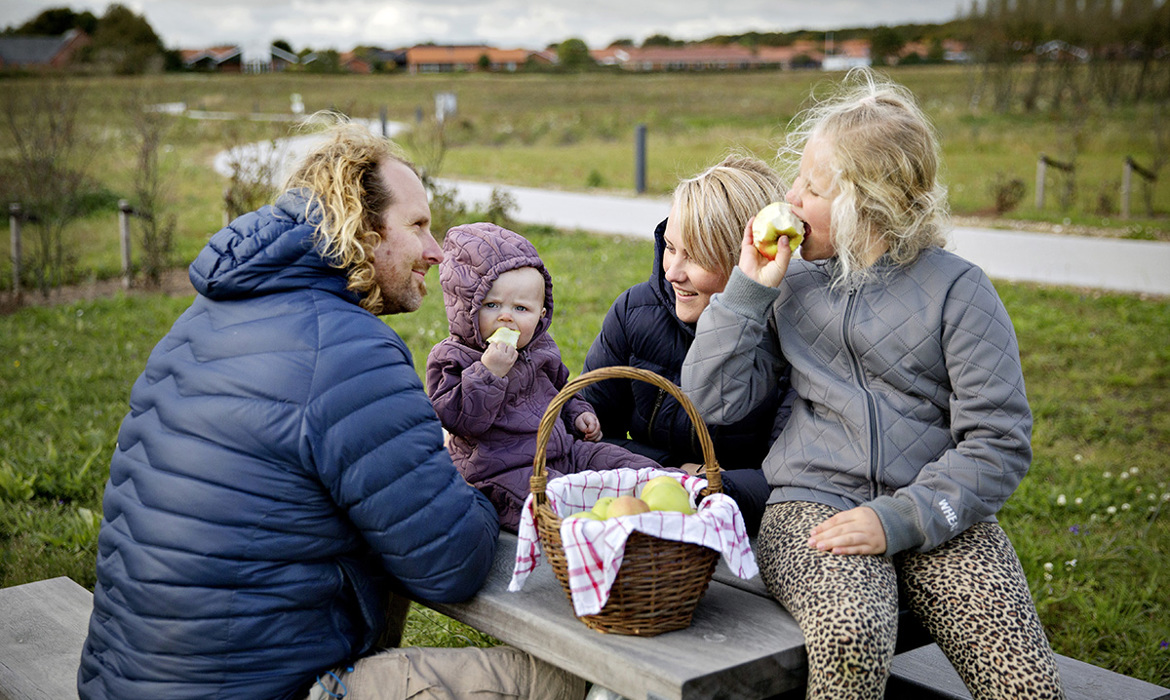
{"x":533,"y":24}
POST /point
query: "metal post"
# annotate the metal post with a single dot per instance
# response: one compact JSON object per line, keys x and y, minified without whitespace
{"x":1126,"y":185}
{"x":1041,"y":174}
{"x":124,"y":212}
{"x":640,"y":158}
{"x":14,"y":230}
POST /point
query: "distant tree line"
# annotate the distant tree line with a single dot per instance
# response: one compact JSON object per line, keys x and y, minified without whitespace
{"x":1028,"y":49}
{"x":956,"y":29}
{"x":122,"y":41}
{"x":1038,"y":54}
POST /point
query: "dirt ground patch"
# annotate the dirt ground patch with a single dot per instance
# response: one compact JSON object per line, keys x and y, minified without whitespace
{"x":1161,"y":233}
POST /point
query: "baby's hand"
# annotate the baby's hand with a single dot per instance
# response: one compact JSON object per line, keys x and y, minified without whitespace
{"x":499,"y":358}
{"x":589,"y":426}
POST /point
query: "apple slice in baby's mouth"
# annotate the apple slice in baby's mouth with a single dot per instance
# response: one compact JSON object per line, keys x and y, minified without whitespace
{"x":506,"y":336}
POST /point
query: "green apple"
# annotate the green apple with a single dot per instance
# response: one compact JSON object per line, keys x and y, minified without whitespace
{"x":657,"y":482}
{"x":666,"y":493}
{"x":601,"y":508}
{"x":584,"y":515}
{"x":773,"y":221}
{"x":506,"y":336}
{"x":627,"y":505}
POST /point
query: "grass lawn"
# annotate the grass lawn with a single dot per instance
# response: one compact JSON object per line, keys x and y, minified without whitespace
{"x":1091,"y":522}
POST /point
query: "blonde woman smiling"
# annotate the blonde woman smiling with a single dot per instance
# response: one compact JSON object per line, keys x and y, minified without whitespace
{"x":652,"y":324}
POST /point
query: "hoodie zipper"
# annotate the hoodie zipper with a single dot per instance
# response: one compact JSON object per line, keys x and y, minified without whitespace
{"x":870,"y":402}
{"x":654,"y":413}
{"x":695,"y":447}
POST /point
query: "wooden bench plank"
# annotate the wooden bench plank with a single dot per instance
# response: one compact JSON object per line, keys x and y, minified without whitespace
{"x":739,"y":645}
{"x":926,"y":673}
{"x":42,"y":629}
{"x":911,"y":633}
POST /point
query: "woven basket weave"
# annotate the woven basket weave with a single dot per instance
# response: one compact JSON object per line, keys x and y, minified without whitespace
{"x":660,"y":581}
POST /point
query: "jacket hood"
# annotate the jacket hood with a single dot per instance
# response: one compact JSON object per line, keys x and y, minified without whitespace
{"x":658,"y":284}
{"x":270,"y":250}
{"x":474,"y":256}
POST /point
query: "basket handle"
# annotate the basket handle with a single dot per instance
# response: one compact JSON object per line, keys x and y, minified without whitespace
{"x":552,"y":414}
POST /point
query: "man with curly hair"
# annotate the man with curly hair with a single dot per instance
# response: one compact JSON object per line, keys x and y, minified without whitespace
{"x":281,"y":473}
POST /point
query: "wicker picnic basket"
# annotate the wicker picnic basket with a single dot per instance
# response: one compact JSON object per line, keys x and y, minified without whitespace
{"x":660,"y":581}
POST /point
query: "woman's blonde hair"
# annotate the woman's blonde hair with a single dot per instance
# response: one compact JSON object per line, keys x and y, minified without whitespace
{"x":714,"y":206}
{"x":884,"y":169}
{"x":349,"y":198}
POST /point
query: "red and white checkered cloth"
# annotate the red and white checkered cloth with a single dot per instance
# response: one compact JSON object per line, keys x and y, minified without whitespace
{"x":594,"y":548}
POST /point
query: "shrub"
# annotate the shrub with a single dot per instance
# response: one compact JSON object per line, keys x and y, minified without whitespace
{"x":1106,"y":204}
{"x":1008,"y":193}
{"x":500,"y":207}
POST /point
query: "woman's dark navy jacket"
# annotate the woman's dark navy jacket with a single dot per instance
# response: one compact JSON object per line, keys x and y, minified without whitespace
{"x":280,"y":469}
{"x":642,"y":330}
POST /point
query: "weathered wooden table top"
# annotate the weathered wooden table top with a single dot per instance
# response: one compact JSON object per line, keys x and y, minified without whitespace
{"x":741,"y":644}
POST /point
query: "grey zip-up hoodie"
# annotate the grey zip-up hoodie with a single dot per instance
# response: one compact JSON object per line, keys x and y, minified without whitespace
{"x":910,"y":395}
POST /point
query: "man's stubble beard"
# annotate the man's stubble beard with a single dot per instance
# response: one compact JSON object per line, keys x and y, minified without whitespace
{"x":406,"y":301}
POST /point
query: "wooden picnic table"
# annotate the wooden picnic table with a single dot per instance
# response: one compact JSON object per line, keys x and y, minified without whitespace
{"x":740,"y":644}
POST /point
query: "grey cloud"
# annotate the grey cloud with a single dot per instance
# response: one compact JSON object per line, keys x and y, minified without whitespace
{"x":342,"y":24}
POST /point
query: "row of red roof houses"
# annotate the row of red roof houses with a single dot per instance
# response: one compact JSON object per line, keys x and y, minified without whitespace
{"x":449,"y":59}
{"x":58,"y":51}
{"x":421,"y":59}
{"x":456,"y":59}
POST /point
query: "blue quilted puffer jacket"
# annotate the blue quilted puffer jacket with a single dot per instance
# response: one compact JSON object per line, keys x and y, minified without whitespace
{"x":280,"y":469}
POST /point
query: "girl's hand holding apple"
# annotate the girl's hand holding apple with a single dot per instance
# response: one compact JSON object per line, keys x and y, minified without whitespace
{"x":758,"y":267}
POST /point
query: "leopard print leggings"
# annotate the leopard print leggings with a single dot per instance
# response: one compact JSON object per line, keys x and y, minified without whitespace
{"x":970,"y":594}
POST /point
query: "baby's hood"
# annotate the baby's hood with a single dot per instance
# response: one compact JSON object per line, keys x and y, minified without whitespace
{"x":474,"y":256}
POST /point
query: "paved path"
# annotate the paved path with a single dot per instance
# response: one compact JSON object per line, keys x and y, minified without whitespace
{"x":1129,"y":266}
{"x":1077,"y":261}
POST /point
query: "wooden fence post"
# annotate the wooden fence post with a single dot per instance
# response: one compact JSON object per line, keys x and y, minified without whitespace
{"x":1041,"y":177}
{"x":14,"y":215}
{"x":124,"y":212}
{"x":1127,"y":182}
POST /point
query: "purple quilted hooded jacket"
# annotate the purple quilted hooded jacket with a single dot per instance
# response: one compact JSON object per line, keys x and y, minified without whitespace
{"x":493,"y":420}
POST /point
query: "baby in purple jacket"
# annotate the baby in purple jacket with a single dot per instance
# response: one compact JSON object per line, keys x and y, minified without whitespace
{"x":491,"y":396}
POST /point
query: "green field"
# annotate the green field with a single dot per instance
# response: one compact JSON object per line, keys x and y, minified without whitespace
{"x":576,"y":132}
{"x":1090,"y":522}
{"x":1095,"y":507}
